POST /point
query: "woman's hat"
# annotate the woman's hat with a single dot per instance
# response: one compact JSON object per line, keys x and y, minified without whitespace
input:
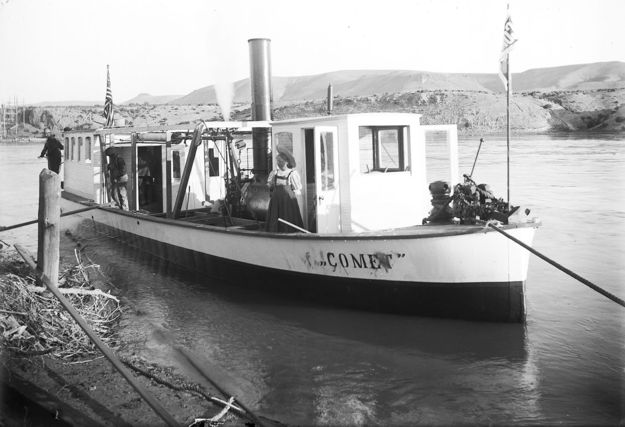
{"x":290,"y":160}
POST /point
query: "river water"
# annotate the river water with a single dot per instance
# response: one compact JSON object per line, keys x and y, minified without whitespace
{"x":313,"y":365}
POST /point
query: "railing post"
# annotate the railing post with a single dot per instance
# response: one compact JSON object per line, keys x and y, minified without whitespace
{"x":49,"y":220}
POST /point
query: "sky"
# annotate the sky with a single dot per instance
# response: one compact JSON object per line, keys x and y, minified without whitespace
{"x":57,"y":50}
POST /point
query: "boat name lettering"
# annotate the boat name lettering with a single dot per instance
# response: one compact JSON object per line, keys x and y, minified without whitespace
{"x":373,"y":261}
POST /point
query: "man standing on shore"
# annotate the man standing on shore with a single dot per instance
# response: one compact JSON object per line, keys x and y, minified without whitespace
{"x":118,"y":178}
{"x":53,"y":148}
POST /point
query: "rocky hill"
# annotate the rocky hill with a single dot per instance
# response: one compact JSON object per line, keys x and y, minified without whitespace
{"x":587,"y":97}
{"x":354,"y":83}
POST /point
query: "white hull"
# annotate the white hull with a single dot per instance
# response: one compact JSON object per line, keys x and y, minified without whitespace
{"x":447,"y":256}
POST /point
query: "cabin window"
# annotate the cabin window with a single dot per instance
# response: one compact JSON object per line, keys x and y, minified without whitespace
{"x":284,"y":140}
{"x":246,"y":149}
{"x":88,"y":148}
{"x":79,"y":148}
{"x":327,"y":161}
{"x":72,"y":148}
{"x":67,"y":148}
{"x":382,"y":148}
{"x":175,"y":163}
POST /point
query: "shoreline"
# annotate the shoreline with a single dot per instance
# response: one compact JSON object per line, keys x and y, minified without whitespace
{"x":89,"y":391}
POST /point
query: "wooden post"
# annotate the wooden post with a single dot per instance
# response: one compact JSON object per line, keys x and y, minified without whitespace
{"x":134,"y":186}
{"x":49,"y":234}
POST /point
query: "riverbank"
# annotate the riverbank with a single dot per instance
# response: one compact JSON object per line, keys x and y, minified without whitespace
{"x":61,"y":388}
{"x":474,"y":112}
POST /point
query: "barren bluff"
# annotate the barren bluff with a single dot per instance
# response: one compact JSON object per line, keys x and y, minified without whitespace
{"x":574,"y":98}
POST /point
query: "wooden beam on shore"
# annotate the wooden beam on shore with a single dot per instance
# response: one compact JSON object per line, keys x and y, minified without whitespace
{"x":201,"y":366}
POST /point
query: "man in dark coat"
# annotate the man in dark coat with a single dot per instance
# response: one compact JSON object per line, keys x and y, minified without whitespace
{"x":53,"y":148}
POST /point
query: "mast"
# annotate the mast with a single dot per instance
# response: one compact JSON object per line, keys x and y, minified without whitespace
{"x":504,"y":72}
{"x":508,"y":91}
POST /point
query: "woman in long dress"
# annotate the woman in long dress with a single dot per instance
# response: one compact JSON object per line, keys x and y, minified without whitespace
{"x":285,"y":185}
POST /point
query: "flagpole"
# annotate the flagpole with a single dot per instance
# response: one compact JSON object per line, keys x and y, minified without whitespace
{"x":508,"y":90}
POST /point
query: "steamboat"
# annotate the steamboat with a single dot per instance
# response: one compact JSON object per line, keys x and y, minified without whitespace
{"x":368,"y":240}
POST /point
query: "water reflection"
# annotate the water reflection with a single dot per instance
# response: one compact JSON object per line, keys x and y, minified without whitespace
{"x":327,"y":366}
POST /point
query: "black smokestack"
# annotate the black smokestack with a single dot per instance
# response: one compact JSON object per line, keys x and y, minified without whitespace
{"x":260,"y":83}
{"x":260,"y":78}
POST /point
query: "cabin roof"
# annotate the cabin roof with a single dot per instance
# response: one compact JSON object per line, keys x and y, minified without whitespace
{"x":341,"y":117}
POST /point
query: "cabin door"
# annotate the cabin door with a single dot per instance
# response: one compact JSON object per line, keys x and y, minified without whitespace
{"x":149,"y":194}
{"x":326,"y":179}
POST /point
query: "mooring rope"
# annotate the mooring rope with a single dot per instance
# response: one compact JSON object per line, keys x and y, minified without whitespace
{"x":560,"y":267}
{"x":34,"y":221}
{"x":192,"y":388}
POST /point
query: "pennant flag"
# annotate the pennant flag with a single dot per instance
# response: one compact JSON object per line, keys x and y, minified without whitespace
{"x":508,"y":43}
{"x":108,"y":102}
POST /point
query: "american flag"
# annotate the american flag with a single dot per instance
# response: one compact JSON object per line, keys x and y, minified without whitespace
{"x":108,"y":102}
{"x":508,"y":43}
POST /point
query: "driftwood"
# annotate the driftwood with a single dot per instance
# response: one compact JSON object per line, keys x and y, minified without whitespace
{"x":217,"y":418}
{"x":73,"y":291}
{"x":19,"y":313}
